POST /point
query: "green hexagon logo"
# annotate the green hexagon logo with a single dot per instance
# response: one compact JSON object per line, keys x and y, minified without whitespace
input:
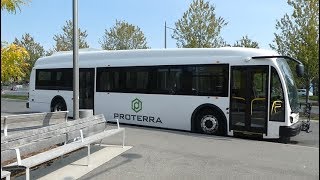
{"x":136,"y":105}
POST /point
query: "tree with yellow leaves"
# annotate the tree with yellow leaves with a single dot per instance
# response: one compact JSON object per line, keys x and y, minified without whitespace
{"x":13,"y":57}
{"x":11,"y":5}
{"x":13,"y":62}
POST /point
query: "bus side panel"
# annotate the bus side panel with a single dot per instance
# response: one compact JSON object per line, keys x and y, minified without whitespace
{"x":40,"y":100}
{"x":166,"y":111}
{"x":273,"y":129}
{"x":32,"y":85}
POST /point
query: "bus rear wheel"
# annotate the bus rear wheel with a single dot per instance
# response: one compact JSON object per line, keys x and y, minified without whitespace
{"x":210,"y":122}
{"x":58,"y":105}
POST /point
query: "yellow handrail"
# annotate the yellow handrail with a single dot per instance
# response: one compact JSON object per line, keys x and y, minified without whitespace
{"x":240,"y":98}
{"x":256,"y":99}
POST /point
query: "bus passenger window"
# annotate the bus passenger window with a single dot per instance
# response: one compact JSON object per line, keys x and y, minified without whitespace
{"x":185,"y":79}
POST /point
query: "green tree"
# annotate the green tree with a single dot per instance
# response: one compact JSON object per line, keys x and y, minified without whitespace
{"x":199,"y":27}
{"x":34,"y":49}
{"x":12,"y":5}
{"x":13,"y":62}
{"x":64,"y":41}
{"x":123,"y":36}
{"x":298,"y":37}
{"x":49,"y":52}
{"x":246,"y":42}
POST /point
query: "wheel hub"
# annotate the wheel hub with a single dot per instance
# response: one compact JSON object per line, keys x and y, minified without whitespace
{"x":209,"y":124}
{"x":58,"y":107}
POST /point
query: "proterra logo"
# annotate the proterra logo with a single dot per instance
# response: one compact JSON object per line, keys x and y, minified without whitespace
{"x":136,"y":105}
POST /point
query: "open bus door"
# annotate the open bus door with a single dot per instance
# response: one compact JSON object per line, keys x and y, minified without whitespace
{"x":249,"y":99}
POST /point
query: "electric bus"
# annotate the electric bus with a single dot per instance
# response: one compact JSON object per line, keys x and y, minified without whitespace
{"x":219,"y":91}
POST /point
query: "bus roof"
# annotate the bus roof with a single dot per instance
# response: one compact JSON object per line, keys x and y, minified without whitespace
{"x":139,"y":57}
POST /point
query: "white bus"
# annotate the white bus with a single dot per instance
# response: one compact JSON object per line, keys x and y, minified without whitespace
{"x":221,"y":91}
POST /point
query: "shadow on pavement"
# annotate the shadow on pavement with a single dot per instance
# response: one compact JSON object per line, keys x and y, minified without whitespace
{"x":127,"y":157}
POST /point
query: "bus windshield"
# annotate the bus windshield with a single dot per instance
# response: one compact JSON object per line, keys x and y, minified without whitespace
{"x":292,"y":89}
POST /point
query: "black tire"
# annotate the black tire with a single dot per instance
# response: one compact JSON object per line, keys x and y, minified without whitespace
{"x":210,"y":122}
{"x":58,"y":105}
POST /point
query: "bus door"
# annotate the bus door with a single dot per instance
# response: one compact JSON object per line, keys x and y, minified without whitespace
{"x":86,"y":88}
{"x":249,"y":99}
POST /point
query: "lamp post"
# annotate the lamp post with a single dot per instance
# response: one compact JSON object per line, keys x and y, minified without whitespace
{"x":75,"y":61}
{"x":165,"y":34}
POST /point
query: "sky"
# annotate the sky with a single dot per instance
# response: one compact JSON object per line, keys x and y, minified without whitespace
{"x":45,"y":18}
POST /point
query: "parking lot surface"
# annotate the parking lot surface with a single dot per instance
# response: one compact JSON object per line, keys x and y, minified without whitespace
{"x":168,"y":154}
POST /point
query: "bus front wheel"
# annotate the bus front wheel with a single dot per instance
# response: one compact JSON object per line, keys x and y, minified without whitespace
{"x":210,"y":122}
{"x":58,"y":105}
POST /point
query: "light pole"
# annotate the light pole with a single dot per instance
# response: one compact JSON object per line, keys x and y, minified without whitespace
{"x":75,"y":61}
{"x":165,"y":34}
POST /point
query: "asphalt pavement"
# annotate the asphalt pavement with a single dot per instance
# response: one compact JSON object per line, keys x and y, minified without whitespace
{"x":167,"y":154}
{"x":10,"y":106}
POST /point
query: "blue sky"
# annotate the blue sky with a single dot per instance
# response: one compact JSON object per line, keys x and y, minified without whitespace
{"x":45,"y":18}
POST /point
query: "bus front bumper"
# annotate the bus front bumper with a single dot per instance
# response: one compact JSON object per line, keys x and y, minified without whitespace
{"x":289,"y":131}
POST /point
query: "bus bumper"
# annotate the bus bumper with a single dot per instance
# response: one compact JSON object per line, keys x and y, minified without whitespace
{"x":289,"y":131}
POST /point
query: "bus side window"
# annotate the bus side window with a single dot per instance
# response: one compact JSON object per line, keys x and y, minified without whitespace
{"x":174,"y":80}
{"x":159,"y":80}
{"x":186,"y":82}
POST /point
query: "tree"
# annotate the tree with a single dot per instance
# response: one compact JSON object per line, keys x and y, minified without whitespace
{"x":49,"y":52}
{"x":246,"y":42}
{"x":34,"y":49}
{"x":123,"y":36}
{"x":13,"y":62}
{"x":11,"y":5}
{"x":64,"y":42}
{"x":299,"y":37}
{"x":199,"y":27}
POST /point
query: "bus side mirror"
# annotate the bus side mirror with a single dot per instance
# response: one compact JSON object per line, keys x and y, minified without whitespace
{"x":300,"y":70}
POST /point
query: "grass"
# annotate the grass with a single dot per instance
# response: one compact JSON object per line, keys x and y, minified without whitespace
{"x":20,"y":97}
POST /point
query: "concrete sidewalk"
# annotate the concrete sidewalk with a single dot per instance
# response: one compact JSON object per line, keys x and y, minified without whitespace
{"x":74,"y":165}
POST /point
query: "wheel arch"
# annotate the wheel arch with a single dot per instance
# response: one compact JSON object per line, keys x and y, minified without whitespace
{"x":203,"y":107}
{"x":56,"y":99}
